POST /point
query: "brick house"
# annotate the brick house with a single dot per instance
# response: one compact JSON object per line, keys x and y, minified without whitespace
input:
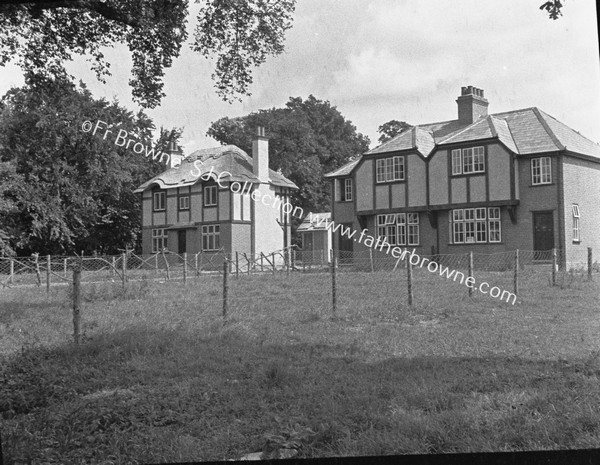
{"x":217,"y":200}
{"x":483,"y":182}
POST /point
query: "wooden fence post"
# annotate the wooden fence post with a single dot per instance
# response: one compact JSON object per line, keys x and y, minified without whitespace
{"x":261,"y":262}
{"x":470,"y":272}
{"x":48,"y":270}
{"x":184,"y":267}
{"x":589,"y":257}
{"x":286,"y":258}
{"x":156,"y":263}
{"x":37,"y":268}
{"x":409,"y":278}
{"x":334,"y":285}
{"x":124,"y":268}
{"x":371,"y":259}
{"x":167,"y":267}
{"x":114,"y":266}
{"x":225,"y":289}
{"x":237,"y":264}
{"x":516,"y":276}
{"x":76,"y":301}
{"x":65,"y":267}
{"x":12,"y":270}
{"x":554,"y":267}
{"x":273,"y":257}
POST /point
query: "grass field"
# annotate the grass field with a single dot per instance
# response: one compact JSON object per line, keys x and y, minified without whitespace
{"x":160,"y":377}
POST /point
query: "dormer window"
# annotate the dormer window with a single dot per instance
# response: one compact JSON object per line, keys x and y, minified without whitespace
{"x":468,"y":161}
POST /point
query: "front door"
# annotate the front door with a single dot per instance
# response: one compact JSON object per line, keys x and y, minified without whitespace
{"x":543,"y":231}
{"x":181,"y":237}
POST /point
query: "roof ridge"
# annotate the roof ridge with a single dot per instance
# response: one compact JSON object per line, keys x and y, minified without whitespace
{"x":490,"y":120}
{"x":509,"y":133}
{"x":549,"y":131}
{"x":443,"y":141}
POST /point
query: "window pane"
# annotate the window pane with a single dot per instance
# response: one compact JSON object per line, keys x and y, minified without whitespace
{"x":456,"y":162}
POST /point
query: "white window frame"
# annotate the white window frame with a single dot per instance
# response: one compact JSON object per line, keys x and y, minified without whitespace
{"x":211,"y":237}
{"x":347,"y":190}
{"x":399,"y":228}
{"x":184,"y":202}
{"x":210,"y":200}
{"x":390,"y":169}
{"x":541,"y":171}
{"x":475,"y":225}
{"x":576,"y":223}
{"x":159,"y":201}
{"x":470,"y":160}
{"x":159,"y":240}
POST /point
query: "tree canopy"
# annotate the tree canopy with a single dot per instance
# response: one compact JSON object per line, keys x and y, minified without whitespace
{"x":40,"y":36}
{"x":65,"y":190}
{"x":308,"y":138}
{"x":391,"y":129}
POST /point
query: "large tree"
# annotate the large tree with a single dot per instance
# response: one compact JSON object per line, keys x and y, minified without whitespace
{"x":42,"y":35}
{"x":64,"y":189}
{"x":391,"y":129}
{"x":308,"y":138}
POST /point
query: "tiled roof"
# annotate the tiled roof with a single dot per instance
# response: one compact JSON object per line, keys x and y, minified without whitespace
{"x":316,"y":224}
{"x":525,"y":131}
{"x":344,"y":169}
{"x":224,"y":158}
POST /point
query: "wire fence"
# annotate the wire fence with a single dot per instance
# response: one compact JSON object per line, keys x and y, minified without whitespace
{"x":286,"y":284}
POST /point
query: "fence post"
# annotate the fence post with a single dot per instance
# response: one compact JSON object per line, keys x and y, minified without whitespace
{"x":196,"y":264}
{"x":184,"y":267}
{"x":334,"y":285}
{"x":225,"y":289}
{"x":156,"y":263}
{"x":124,"y":267}
{"x":166,"y":265}
{"x":114,"y":265}
{"x":261,"y":262}
{"x":237,"y":264}
{"x":410,"y":281}
{"x":48,"y":266}
{"x":12,"y":270}
{"x":273,"y":257}
{"x":471,"y":272}
{"x":76,"y":301}
{"x":516,"y":276}
{"x":371,"y":259}
{"x":554,"y":267}
{"x":286,"y":258}
{"x":65,"y":267}
{"x":37,"y":268}
{"x":590,"y":263}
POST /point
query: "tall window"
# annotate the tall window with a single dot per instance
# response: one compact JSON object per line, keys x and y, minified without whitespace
{"x":389,"y":169}
{"x":541,"y":171}
{"x":399,"y":228}
{"x":474,"y":225}
{"x":468,"y":161}
{"x":210,"y":196}
{"x":159,"y":201}
{"x":211,"y":237}
{"x":576,"y":230}
{"x":347,"y":196}
{"x":184,"y":202}
{"x":159,"y":240}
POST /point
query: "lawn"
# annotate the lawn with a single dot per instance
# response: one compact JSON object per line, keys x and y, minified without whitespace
{"x":161,"y":377}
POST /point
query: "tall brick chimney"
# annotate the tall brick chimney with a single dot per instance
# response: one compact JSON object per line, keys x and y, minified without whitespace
{"x":471,"y":105}
{"x":260,"y":155}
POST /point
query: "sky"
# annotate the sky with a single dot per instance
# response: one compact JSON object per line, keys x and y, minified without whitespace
{"x":378,"y":60}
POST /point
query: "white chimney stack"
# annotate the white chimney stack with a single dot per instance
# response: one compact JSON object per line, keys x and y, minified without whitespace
{"x":260,"y":155}
{"x":175,"y":154}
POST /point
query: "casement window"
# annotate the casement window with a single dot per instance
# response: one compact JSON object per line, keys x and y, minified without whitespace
{"x":158,"y":201}
{"x":468,"y":161}
{"x":399,"y":228}
{"x":576,"y":227}
{"x":541,"y":171}
{"x":184,"y":202}
{"x":347,"y":194}
{"x":159,"y":240}
{"x":474,"y":225}
{"x":211,"y":237}
{"x":210,"y":196}
{"x":389,"y":169}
